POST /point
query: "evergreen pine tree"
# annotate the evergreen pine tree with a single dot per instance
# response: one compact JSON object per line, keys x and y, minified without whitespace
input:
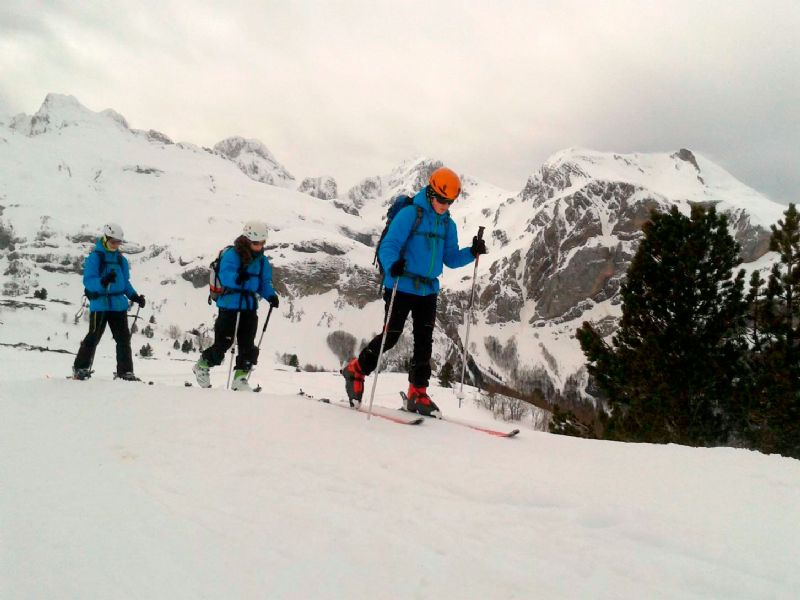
{"x":775,"y":415}
{"x":674,"y":364}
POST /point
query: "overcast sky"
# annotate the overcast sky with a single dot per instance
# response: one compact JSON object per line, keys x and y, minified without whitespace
{"x":352,"y":88}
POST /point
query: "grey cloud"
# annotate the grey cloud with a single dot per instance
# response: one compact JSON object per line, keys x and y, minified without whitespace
{"x":496,"y":87}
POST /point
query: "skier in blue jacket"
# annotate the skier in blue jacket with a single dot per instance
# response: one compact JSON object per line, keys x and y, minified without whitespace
{"x":106,"y":279}
{"x":421,"y":239}
{"x":245,"y":274}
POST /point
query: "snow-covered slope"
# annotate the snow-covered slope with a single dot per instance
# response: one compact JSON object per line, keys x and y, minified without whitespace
{"x":123,"y":490}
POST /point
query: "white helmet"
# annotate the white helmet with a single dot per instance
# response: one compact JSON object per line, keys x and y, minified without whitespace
{"x":113,"y":231}
{"x":255,"y":231}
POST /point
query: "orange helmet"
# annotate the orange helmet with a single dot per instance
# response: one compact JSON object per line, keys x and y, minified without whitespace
{"x":445,"y":183}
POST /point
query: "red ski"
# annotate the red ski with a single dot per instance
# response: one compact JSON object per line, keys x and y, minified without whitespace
{"x":475,"y":426}
{"x":390,"y":414}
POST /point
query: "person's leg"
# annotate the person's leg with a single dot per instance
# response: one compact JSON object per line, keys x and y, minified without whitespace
{"x":368,"y":358}
{"x":118,"y":323}
{"x":223,"y":337}
{"x":423,"y":315}
{"x":246,"y":340}
{"x":85,"y":357}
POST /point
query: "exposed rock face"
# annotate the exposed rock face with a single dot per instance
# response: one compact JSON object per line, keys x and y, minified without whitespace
{"x":688,"y":156}
{"x":753,"y":239}
{"x":370,"y":188}
{"x":584,"y":233}
{"x":157,"y":137}
{"x":254,"y":160}
{"x":504,"y":294}
{"x":198,"y":276}
{"x":323,"y":188}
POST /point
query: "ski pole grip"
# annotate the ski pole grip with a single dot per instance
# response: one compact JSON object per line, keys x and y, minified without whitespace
{"x":480,"y":232}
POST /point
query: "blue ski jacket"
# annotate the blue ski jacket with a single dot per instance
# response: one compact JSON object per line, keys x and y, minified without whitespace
{"x":433,"y":244}
{"x":257,"y":281}
{"x":114,"y":296}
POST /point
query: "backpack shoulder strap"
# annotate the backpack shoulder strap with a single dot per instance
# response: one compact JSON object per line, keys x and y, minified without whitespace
{"x":417,"y":222}
{"x":101,"y":263}
{"x":414,"y":228}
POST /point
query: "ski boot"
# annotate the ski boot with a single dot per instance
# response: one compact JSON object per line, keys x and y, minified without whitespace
{"x":81,"y":374}
{"x":240,"y":383}
{"x":126,"y":376}
{"x":418,"y":401}
{"x":353,"y":382}
{"x":202,"y":372}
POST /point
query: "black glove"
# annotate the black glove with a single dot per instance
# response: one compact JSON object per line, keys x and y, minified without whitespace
{"x":139,"y":299}
{"x":273,"y":301}
{"x":109,"y":277}
{"x":241,"y":277}
{"x":398,"y":268}
{"x":478,"y":246}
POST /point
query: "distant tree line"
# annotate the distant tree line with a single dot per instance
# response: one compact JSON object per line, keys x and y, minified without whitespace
{"x":700,"y":357}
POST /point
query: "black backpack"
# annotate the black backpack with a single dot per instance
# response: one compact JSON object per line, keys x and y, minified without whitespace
{"x":102,"y":257}
{"x":399,"y":203}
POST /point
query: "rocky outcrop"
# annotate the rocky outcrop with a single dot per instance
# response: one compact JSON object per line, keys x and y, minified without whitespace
{"x":198,"y":276}
{"x":254,"y":160}
{"x":370,"y":188}
{"x":323,"y":188}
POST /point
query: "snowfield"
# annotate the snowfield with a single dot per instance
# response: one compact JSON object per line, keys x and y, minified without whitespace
{"x":124,"y":490}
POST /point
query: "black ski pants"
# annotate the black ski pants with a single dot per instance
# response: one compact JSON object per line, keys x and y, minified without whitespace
{"x":118,"y":322}
{"x":423,"y":315}
{"x":224,"y":328}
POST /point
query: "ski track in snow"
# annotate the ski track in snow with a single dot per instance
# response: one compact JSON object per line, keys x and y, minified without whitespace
{"x":123,"y":490}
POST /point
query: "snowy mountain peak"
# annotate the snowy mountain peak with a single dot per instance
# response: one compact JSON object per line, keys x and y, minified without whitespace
{"x":681,"y":176}
{"x":407,"y":178}
{"x":59,"y":111}
{"x":255,"y":160}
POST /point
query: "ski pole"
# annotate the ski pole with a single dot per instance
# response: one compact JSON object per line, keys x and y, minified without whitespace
{"x":233,"y":343}
{"x":136,"y":316}
{"x":468,"y":318}
{"x":258,"y":347}
{"x":383,"y":342}
{"x":81,"y":310}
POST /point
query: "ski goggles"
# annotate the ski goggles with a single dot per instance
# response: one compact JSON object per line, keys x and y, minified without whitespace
{"x":440,"y":199}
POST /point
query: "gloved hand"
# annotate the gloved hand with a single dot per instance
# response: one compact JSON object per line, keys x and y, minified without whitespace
{"x":478,"y":246}
{"x":139,"y":299}
{"x":398,"y":268}
{"x":109,"y":277}
{"x":241,"y":277}
{"x":273,"y":301}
